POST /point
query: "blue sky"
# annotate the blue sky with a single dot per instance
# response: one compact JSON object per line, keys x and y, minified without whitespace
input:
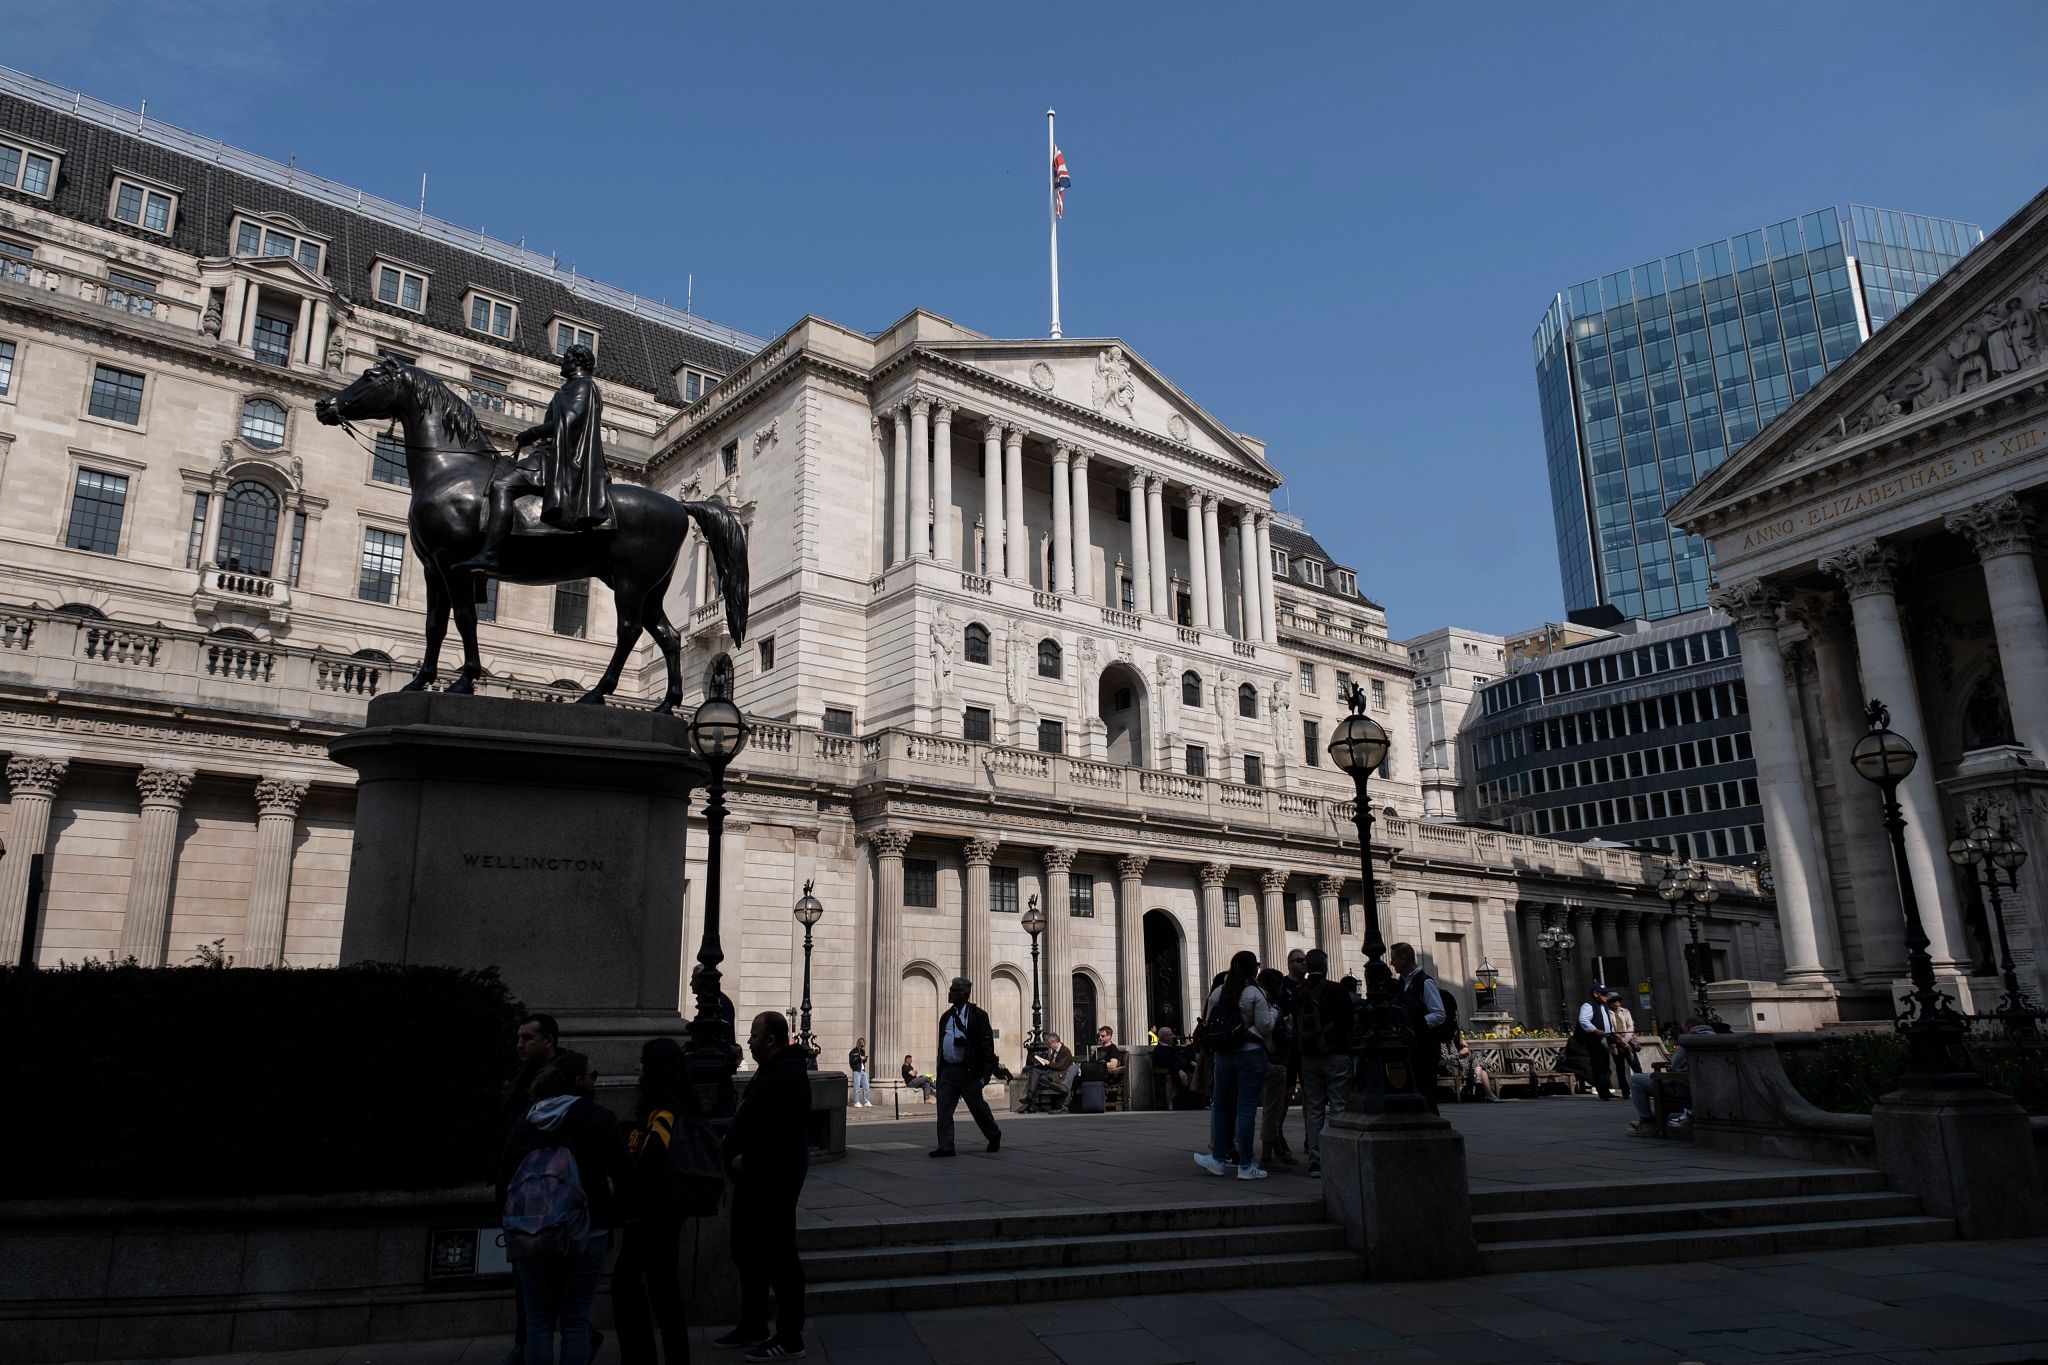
{"x":1334,"y":226}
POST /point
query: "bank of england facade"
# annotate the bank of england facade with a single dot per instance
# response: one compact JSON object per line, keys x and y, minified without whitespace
{"x":1024,"y":622}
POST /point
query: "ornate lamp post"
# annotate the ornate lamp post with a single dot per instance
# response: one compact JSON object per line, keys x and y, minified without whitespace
{"x":1487,"y":988}
{"x":1380,"y":1032}
{"x":1556,"y":944}
{"x":809,"y":911}
{"x":2004,"y":854}
{"x":1034,"y":925}
{"x":1686,"y":889}
{"x":1930,"y":1021}
{"x":717,"y":733}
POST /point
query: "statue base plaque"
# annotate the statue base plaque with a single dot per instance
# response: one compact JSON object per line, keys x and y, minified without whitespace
{"x":540,"y":838}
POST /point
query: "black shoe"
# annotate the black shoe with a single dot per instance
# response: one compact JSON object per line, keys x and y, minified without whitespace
{"x":776,"y":1350}
{"x":940,"y":1151}
{"x":995,"y":1143}
{"x":739,"y":1337}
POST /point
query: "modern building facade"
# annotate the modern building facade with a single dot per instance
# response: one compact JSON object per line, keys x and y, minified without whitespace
{"x":1649,"y":378}
{"x":1451,"y":666}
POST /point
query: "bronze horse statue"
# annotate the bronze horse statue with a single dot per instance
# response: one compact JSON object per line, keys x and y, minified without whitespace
{"x":450,"y":462}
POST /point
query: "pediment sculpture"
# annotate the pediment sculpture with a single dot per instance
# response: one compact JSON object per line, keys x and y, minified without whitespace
{"x":1114,"y":387}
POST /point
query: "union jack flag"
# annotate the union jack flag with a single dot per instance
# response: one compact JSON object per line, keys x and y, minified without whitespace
{"x":1060,"y":181}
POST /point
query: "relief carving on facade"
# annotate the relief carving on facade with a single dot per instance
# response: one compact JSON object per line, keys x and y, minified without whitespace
{"x":1114,"y":387}
{"x":1751,"y":604}
{"x":279,"y":796}
{"x":1214,"y":874}
{"x":1864,"y":569}
{"x":35,"y":775}
{"x":981,"y":850}
{"x":163,"y":786}
{"x":2004,"y":525}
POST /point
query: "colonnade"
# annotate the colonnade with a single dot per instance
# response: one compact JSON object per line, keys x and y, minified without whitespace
{"x":921,"y":496}
{"x":1652,"y":942}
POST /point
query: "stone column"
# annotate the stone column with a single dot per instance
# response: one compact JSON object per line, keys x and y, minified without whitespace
{"x":303,"y":336}
{"x":899,"y":488}
{"x":1874,"y":886}
{"x":277,"y":819}
{"x":1016,"y":542}
{"x":1062,"y":524}
{"x":1141,"y":547}
{"x":1536,"y":1008}
{"x":1791,"y":825}
{"x":887,"y":969}
{"x":2002,"y":533}
{"x":146,"y":922}
{"x":1671,"y":929}
{"x":1268,"y":616}
{"x":1084,"y":560}
{"x":920,"y":478}
{"x":977,"y":954}
{"x":1330,"y":923}
{"x":1155,"y":526}
{"x":1056,"y":966}
{"x":1130,"y":949}
{"x":1212,"y":535}
{"x":252,"y":297}
{"x":1198,"y":563}
{"x":1582,"y":970}
{"x":1650,"y":954}
{"x":1251,"y":611}
{"x":234,"y":322}
{"x":316,"y":339}
{"x":1214,"y":959}
{"x":1867,"y":571}
{"x":32,"y":782}
{"x":1273,"y":919}
{"x":1608,"y":925}
{"x":942,"y":484}
{"x":992,"y":514}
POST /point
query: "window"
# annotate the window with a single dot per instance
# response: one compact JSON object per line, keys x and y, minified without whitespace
{"x":977,"y":643}
{"x":141,"y":206}
{"x":1048,"y":658}
{"x":116,"y":395}
{"x":1183,"y":608}
{"x":96,"y":503}
{"x":977,"y":723}
{"x":487,"y":599}
{"x":729,"y":458}
{"x":694,"y":384}
{"x":1308,"y":679}
{"x":1343,"y":685}
{"x":572,"y":607}
{"x":1311,"y":744}
{"x":1198,"y":761}
{"x":1345,"y":582}
{"x":1081,"y":897}
{"x":1233,"y":907}
{"x":258,"y":237}
{"x":248,"y":529}
{"x":1379,"y":695}
{"x":25,"y":169}
{"x":569,"y":334}
{"x":1254,"y":771}
{"x":1343,"y":916}
{"x":1248,"y":700}
{"x":272,"y":339}
{"x":838,"y":720}
{"x":383,"y":558}
{"x":921,"y":883}
{"x":1191,"y":688}
{"x":1127,"y":591}
{"x":1052,"y":737}
{"x":298,"y":548}
{"x":768,"y":654}
{"x":131,"y":294}
{"x":195,"y":539}
{"x":491,"y":315}
{"x":1293,"y":913}
{"x":263,"y":423}
{"x":1312,"y":572}
{"x":1002,"y":890}
{"x":387,"y":462}
{"x":6,"y":368}
{"x":14,"y":260}
{"x":401,"y":288}
{"x":1280,"y":562}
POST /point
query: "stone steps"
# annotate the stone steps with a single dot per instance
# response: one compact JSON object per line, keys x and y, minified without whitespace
{"x":1719,"y":1213}
{"x":1193,"y":1275}
{"x":1664,"y":1247}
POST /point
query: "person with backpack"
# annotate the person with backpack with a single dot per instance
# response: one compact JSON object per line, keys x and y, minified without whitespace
{"x":1322,"y":1033}
{"x":1432,"y":1021}
{"x":767,"y":1154}
{"x":556,"y":1186}
{"x":534,"y":1046}
{"x":647,"y":1291}
{"x":1237,"y":1025}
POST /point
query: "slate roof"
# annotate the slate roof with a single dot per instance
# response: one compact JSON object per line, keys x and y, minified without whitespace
{"x":638,"y":351}
{"x":1301,"y":545}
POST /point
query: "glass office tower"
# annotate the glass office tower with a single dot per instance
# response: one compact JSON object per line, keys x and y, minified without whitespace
{"x":1650,"y":377}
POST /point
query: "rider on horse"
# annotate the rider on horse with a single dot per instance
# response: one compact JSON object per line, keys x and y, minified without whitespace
{"x":568,"y":470}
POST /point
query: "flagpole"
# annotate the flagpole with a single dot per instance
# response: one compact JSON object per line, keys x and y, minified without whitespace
{"x":1053,"y":218}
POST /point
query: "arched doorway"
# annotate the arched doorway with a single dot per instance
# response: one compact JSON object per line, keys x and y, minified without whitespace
{"x":1084,"y":1014}
{"x":1163,"y":980}
{"x":1008,"y":1015}
{"x":921,"y":1005}
{"x":1120,"y":701}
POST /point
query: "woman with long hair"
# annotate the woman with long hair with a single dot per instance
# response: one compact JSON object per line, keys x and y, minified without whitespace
{"x":647,"y":1290}
{"x":1237,"y":1028}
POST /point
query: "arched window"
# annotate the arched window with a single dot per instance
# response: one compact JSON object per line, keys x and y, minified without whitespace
{"x":1049,"y":658}
{"x":1191,"y":688}
{"x":1248,"y":701}
{"x":1084,"y":1010}
{"x":262,"y":423}
{"x":376,"y":656}
{"x":82,"y":610}
{"x":248,"y":529}
{"x":977,"y":643}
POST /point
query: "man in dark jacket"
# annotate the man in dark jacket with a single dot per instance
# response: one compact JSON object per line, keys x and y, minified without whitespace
{"x":767,"y":1153}
{"x":967,"y":1058}
{"x":534,"y":1045}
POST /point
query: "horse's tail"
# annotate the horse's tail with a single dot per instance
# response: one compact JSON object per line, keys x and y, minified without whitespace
{"x":728,"y":541}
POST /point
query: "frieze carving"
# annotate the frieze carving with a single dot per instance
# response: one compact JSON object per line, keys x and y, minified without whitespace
{"x":120,"y":729}
{"x":1177,"y":428}
{"x":1864,"y":569}
{"x":1114,"y":387}
{"x":889,"y":842}
{"x":767,"y":435}
{"x":981,"y":851}
{"x":1059,"y":858}
{"x":1042,"y":376}
{"x":36,"y":775}
{"x":2002,"y":526}
{"x":1214,"y":874}
{"x":1273,"y":881}
{"x":279,"y":796}
{"x":163,"y":786}
{"x":1752,"y":604}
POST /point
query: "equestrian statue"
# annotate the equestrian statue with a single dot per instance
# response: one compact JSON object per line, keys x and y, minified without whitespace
{"x":552,"y":517}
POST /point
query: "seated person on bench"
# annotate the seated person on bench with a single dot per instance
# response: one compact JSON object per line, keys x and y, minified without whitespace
{"x":1641,"y":1083}
{"x":1050,"y":1074}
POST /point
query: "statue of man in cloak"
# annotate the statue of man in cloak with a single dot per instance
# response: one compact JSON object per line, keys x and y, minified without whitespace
{"x":567,"y":468}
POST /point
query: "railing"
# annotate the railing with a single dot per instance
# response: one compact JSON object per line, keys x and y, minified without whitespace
{"x":73,"y":284}
{"x":1189,"y":635}
{"x":1291,"y":803}
{"x":1094,"y":774}
{"x":835,"y":748}
{"x":237,"y":584}
{"x":974,"y":582}
{"x":1129,"y":620}
{"x":351,"y":677}
{"x":933,"y":749}
{"x":1170,"y":784}
{"x":1047,"y":601}
{"x":244,"y":663}
{"x":1244,"y":649}
{"x":112,"y":645}
{"x":17,"y":632}
{"x":1020,"y":763}
{"x":1334,"y":630}
{"x":769,"y":737}
{"x":1240,"y":798}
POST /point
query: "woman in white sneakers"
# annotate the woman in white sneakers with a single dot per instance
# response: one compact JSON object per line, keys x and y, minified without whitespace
{"x":1237,"y":1028}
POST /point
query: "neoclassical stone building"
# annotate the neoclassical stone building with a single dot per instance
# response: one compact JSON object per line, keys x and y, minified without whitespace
{"x":1024,"y":621}
{"x":1880,"y":540}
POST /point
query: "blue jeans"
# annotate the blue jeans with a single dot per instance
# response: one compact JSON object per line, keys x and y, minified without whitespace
{"x":559,"y":1294}
{"x":1235,"y":1100}
{"x":860,"y":1087}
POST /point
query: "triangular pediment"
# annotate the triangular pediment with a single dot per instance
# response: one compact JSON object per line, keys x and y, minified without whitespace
{"x":1976,"y":336}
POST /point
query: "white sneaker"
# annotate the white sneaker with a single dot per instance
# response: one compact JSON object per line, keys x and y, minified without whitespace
{"x":1250,"y":1173}
{"x":1211,"y":1164}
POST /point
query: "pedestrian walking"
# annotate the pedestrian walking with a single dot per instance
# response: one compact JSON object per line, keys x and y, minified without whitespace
{"x":857,"y":1064}
{"x":767,"y":1154}
{"x":967,"y":1058}
{"x":1322,"y":1035}
{"x":1596,"y":1040}
{"x":1427,"y":1020}
{"x":1237,"y":1025}
{"x":533,"y":1047}
{"x":647,"y":1295}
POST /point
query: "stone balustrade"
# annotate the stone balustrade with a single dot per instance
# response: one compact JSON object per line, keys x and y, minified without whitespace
{"x":1339,"y":630}
{"x":46,"y":278}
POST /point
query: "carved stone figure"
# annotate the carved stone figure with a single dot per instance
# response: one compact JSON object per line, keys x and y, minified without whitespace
{"x":1114,"y":387}
{"x":1998,"y":343}
{"x":337,"y":348}
{"x":2022,"y":331}
{"x":1987,"y":720}
{"x":209,"y":321}
{"x":1966,"y":348}
{"x":945,"y":630}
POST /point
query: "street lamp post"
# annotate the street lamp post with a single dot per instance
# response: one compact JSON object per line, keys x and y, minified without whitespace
{"x":1381,"y":1032}
{"x":809,"y":911}
{"x":1686,"y":890}
{"x":717,"y":734}
{"x":2004,"y":854}
{"x":1556,"y":943}
{"x":1929,"y":1020}
{"x":1034,"y":925}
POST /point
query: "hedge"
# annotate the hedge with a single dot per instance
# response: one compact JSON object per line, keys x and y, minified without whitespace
{"x":123,"y":1080}
{"x":1851,"y":1073}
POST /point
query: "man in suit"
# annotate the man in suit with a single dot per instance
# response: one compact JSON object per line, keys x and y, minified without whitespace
{"x":967,"y":1058}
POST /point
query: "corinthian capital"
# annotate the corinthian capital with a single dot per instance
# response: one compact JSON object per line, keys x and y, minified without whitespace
{"x":1215,"y":874}
{"x":163,"y":786}
{"x":981,"y":851}
{"x":1864,"y":569}
{"x":1753,"y":604}
{"x":920,"y":404}
{"x":279,"y":796}
{"x":1272,"y":880}
{"x":34,"y":775}
{"x":1131,"y":866}
{"x":1329,"y":886}
{"x":1059,"y":858}
{"x":2002,"y":526}
{"x":888,"y":841}
{"x":942,"y":411}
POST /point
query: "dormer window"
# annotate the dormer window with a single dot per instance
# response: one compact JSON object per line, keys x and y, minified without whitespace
{"x":1346,"y":582}
{"x":141,"y":204}
{"x":1280,"y":562}
{"x":568,"y":332}
{"x":27,"y":168}
{"x":491,"y":315}
{"x":694,"y":383}
{"x":400,"y":286}
{"x":278,"y":237}
{"x":1312,"y":572}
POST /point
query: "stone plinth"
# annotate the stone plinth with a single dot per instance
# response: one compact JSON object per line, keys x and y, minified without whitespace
{"x":1774,"y":1006}
{"x":541,"y":838}
{"x":1969,"y":1155}
{"x":1397,"y":1184}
